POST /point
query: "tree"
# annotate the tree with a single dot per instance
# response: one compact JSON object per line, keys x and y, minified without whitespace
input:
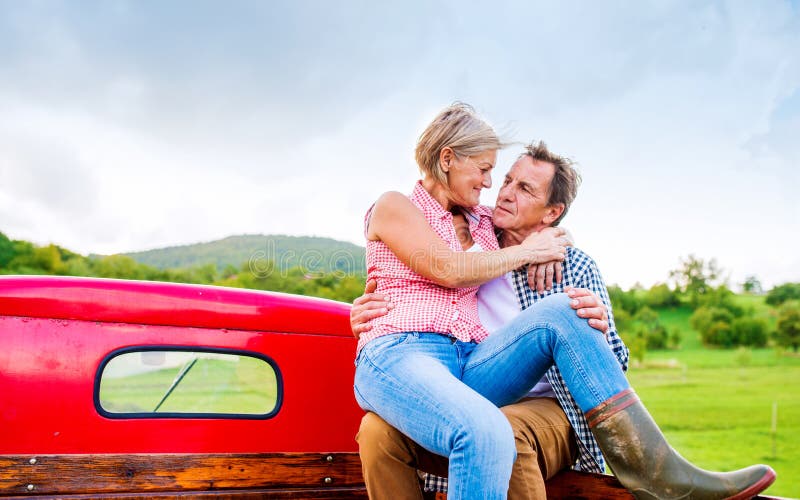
{"x":695,"y":277}
{"x":752,"y":285}
{"x":118,"y":266}
{"x":6,"y":250}
{"x":788,"y":326}
{"x":781,"y":293}
{"x":661,"y":296}
{"x":721,"y":297}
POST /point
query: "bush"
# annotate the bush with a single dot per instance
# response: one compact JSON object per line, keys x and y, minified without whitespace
{"x":720,"y":326}
{"x":636,"y":340}
{"x":714,"y":325}
{"x":749,"y":332}
{"x":661,"y":296}
{"x":782,"y":293}
{"x":702,"y":318}
{"x":621,"y":299}
{"x":643,"y":331}
{"x":788,"y":328}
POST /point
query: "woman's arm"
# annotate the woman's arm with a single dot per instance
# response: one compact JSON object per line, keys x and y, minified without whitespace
{"x":403,"y":228}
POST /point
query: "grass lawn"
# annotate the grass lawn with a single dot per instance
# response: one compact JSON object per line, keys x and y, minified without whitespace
{"x":715,"y":406}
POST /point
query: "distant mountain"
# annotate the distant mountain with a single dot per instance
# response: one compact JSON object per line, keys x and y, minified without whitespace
{"x":309,"y":252}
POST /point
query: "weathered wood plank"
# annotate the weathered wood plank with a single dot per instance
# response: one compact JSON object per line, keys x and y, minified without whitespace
{"x":70,"y":474}
{"x":583,"y":485}
{"x":356,"y":493}
{"x":226,"y":476}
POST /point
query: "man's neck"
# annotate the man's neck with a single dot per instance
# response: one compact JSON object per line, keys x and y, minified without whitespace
{"x":508,"y":238}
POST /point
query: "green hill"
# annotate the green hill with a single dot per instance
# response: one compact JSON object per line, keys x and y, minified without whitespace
{"x":307,"y":252}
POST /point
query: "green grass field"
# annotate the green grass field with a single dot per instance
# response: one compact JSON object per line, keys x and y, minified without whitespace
{"x":715,"y":406}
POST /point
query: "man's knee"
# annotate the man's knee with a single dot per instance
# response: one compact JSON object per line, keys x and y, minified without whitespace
{"x":377,"y":439}
{"x":522,"y":426}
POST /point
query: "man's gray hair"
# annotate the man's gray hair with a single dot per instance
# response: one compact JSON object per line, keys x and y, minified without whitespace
{"x":566,"y":179}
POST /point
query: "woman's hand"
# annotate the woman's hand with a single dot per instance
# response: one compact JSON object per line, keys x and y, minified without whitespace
{"x":549,"y":244}
{"x":587,"y":305}
{"x":369,"y":306}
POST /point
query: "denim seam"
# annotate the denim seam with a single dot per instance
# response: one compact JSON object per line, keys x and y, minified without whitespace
{"x":514,"y":340}
{"x":578,"y":367}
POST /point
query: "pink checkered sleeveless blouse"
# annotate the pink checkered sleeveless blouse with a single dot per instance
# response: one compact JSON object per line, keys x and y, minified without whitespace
{"x":420,"y":305}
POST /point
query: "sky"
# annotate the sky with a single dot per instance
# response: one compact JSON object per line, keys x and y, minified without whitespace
{"x":131,"y":125}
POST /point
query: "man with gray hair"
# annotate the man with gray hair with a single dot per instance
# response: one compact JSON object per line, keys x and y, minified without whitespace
{"x":551,"y":432}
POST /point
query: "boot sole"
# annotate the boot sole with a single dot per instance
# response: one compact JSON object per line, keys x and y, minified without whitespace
{"x":761,"y":485}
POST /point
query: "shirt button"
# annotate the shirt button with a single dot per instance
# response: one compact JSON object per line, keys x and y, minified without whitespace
{"x":453,"y":302}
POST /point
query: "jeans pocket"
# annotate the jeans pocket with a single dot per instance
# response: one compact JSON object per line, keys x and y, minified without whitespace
{"x":376,"y":347}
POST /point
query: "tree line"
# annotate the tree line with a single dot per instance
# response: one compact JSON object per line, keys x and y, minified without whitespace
{"x":23,"y":257}
{"x":716,"y":313}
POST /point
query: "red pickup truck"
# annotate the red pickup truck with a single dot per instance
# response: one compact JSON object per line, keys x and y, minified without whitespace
{"x":127,"y":389}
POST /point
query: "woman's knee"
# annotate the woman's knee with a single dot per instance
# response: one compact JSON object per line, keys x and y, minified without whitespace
{"x":553,"y":309}
{"x":489,"y":433}
{"x":558,"y":301}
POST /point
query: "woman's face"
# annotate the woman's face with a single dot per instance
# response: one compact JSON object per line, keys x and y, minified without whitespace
{"x":468,"y":175}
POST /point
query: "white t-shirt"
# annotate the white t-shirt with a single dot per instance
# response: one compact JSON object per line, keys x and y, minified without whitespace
{"x":497,"y":304}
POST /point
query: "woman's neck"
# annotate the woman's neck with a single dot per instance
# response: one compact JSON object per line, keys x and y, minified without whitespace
{"x":439,"y":193}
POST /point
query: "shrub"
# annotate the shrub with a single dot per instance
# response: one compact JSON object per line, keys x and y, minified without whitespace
{"x":621,"y":299}
{"x":782,"y":293}
{"x":749,"y":331}
{"x":788,"y":327}
{"x":703,"y":317}
{"x":661,"y":296}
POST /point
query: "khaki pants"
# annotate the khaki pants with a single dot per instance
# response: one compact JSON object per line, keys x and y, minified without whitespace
{"x":544,"y":439}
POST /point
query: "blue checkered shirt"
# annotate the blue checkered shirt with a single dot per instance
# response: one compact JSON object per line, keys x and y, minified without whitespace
{"x":579,"y":271}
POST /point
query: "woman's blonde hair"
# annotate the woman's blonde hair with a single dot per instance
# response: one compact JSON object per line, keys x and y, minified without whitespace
{"x":459,"y":128}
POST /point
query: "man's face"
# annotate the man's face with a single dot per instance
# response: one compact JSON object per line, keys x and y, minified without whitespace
{"x":522,"y":201}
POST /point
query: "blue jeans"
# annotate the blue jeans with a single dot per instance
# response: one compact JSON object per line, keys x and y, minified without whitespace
{"x":444,"y":394}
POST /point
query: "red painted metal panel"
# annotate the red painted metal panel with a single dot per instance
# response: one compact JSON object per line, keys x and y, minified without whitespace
{"x":155,"y":303}
{"x":48,"y":366}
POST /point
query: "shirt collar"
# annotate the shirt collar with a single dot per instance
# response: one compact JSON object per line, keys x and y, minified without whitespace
{"x":424,"y":198}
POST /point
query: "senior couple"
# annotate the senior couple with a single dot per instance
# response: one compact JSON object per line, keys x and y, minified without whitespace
{"x":467,"y":371}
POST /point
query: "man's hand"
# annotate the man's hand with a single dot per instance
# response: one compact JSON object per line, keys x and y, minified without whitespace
{"x":541,"y":276}
{"x":589,"y":306}
{"x":369,"y":306}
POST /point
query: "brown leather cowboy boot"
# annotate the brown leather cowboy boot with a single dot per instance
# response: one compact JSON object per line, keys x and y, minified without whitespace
{"x":648,"y":467}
